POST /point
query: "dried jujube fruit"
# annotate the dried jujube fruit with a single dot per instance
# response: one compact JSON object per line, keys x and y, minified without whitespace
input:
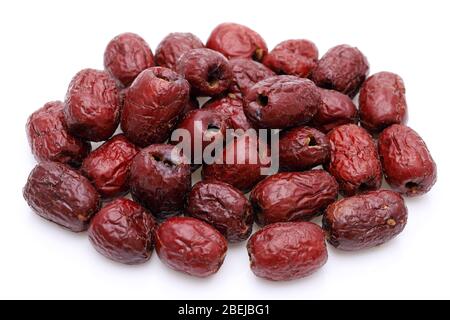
{"x":343,"y":68}
{"x":287,"y":251}
{"x":222,"y":206}
{"x":293,"y":196}
{"x":407,"y":162}
{"x":231,"y":109}
{"x":366,"y":220}
{"x":207,"y":71}
{"x":92,"y":105}
{"x":49,"y":138}
{"x":126,"y":56}
{"x":303,"y":148}
{"x":190,"y":246}
{"x":173,"y":46}
{"x":123,"y":231}
{"x":297,"y":57}
{"x":382,"y":102}
{"x":153,"y":105}
{"x":281,"y":102}
{"x":246,"y":73}
{"x":354,"y":160}
{"x":108,"y":166}
{"x":160,"y":180}
{"x":235,"y":40}
{"x":60,"y":194}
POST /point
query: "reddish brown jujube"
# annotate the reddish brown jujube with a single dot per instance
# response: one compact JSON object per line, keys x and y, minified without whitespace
{"x":60,"y":194}
{"x":191,"y":246}
{"x":335,"y":110}
{"x":294,"y":57}
{"x":123,"y":231}
{"x":126,"y":56}
{"x":246,"y":73}
{"x":287,"y":251}
{"x":365,"y":220}
{"x":153,"y":105}
{"x":49,"y":138}
{"x":160,"y":180}
{"x":343,"y":68}
{"x":293,"y":196}
{"x":281,"y":102}
{"x":222,"y":206}
{"x":303,"y":148}
{"x":407,"y":162}
{"x":173,"y":46}
{"x":207,"y":71}
{"x":92,"y":105}
{"x":231,"y":108}
{"x":382,"y":102}
{"x":354,"y":160}
{"x":108,"y":166}
{"x":235,"y":40}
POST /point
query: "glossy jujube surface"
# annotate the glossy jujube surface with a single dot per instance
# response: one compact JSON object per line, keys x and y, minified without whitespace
{"x":190,"y":246}
{"x":246,"y":73}
{"x":407,"y":163}
{"x":222,"y":206}
{"x":382,"y":101}
{"x":123,"y":231}
{"x":366,"y":220}
{"x":153,"y":105}
{"x":92,"y":105}
{"x":173,"y":46}
{"x":293,"y":196}
{"x":160,"y":180}
{"x":287,"y":251}
{"x":49,"y":138}
{"x":281,"y":102}
{"x":354,"y":160}
{"x":60,"y":194}
{"x":107,"y":167}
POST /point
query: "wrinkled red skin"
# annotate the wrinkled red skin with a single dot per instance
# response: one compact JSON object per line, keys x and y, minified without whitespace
{"x":224,"y":207}
{"x":354,"y":160}
{"x":287,"y":251}
{"x":207,"y":71}
{"x":173,"y":46}
{"x":240,"y":174}
{"x":246,"y":73}
{"x":160,"y":180}
{"x":337,"y":109}
{"x":207,"y":124}
{"x":192,"y":104}
{"x":231,"y":108}
{"x":407,"y":162}
{"x":60,"y":194}
{"x":303,"y":148}
{"x":92,"y":105}
{"x":343,"y":68}
{"x":282,"y":102}
{"x":366,"y":220}
{"x":293,"y":57}
{"x":153,"y":105}
{"x":190,"y":246}
{"x":293,"y":196}
{"x":234,"y":40}
{"x":123,"y":231}
{"x":126,"y":56}
{"x":49,"y":139}
{"x":382,"y":102}
{"x":108,"y":166}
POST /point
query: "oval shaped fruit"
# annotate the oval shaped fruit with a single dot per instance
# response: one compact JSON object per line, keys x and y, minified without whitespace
{"x":293,"y":196}
{"x":231,"y":108}
{"x":123,"y":231}
{"x":61,"y":195}
{"x":191,"y":246}
{"x":173,"y":46}
{"x":287,"y":251}
{"x":246,"y":73}
{"x":407,"y":162}
{"x":365,"y":220}
{"x":222,"y":206}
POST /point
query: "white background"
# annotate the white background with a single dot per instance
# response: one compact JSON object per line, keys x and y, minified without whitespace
{"x":44,"y":43}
